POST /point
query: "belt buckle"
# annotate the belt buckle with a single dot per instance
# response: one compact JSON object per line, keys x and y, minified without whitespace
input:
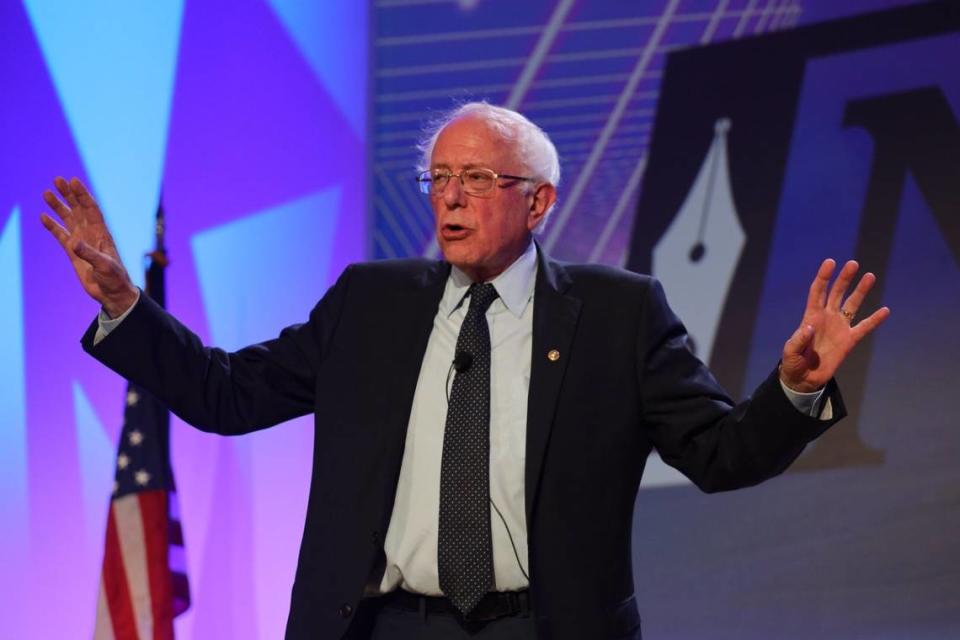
{"x":499,"y":606}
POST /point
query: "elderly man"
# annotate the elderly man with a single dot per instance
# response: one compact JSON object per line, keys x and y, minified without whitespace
{"x":499,"y":504}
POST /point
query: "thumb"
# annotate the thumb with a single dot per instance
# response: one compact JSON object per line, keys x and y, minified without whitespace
{"x":799,"y":341}
{"x":88,"y":254}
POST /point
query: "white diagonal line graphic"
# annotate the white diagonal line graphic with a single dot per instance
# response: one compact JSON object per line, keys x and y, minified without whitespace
{"x":539,"y":53}
{"x":782,"y":20}
{"x":397,"y":230}
{"x":583,"y":178}
{"x":633,"y":183}
{"x":626,"y":198}
{"x":714,"y":22}
{"x":381,"y":243}
{"x":764,"y":17}
{"x":744,"y":18}
{"x":417,"y":202}
{"x":396,"y":202}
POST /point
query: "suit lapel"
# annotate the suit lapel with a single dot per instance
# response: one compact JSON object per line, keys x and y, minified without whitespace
{"x":411,"y":316}
{"x":554,"y":324}
{"x":412,"y":321}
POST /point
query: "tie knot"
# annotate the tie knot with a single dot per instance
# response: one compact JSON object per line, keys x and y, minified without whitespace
{"x":482,"y":296}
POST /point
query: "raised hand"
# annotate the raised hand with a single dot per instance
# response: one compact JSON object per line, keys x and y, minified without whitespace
{"x":87,"y":242}
{"x":827,"y":333}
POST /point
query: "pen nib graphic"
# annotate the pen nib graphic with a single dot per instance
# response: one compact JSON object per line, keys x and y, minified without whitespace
{"x":697,"y":257}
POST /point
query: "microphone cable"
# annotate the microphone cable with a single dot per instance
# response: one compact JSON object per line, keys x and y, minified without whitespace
{"x":510,"y":535}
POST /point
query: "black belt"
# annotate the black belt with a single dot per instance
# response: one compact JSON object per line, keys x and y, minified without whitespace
{"x":497,"y":604}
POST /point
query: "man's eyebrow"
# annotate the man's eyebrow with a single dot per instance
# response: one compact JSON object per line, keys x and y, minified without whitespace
{"x":469,"y":165}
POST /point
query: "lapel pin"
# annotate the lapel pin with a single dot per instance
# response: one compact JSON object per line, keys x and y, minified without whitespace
{"x":553,"y":355}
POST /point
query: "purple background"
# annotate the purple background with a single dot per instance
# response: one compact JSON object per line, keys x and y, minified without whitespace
{"x":250,"y":118}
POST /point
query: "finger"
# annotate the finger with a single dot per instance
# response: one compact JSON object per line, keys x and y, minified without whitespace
{"x":799,"y":341}
{"x":97,"y":259}
{"x":83,"y":196}
{"x":62,"y":211}
{"x":842,"y":283}
{"x":866,"y":326}
{"x":58,"y":232}
{"x":81,"y":192}
{"x":818,"y":288}
{"x":852,"y":304}
{"x":64,"y":188}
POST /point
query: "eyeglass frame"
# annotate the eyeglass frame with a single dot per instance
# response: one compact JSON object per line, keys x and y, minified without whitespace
{"x":426,"y":176}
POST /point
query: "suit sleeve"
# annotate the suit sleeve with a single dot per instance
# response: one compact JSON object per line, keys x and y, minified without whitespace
{"x":211,"y":389}
{"x":695,"y":426}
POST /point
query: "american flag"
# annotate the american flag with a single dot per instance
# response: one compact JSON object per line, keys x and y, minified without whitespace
{"x":143,"y":582}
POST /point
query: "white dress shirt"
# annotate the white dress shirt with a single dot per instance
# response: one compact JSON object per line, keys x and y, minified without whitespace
{"x":411,"y":541}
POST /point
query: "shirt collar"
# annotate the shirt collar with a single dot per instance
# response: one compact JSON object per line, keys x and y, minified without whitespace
{"x":514,"y":285}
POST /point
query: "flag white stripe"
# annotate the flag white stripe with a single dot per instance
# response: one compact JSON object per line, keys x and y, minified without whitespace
{"x":103,"y":628}
{"x":134,"y":553}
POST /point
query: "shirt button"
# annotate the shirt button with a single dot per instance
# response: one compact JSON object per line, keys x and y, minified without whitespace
{"x":345,"y":610}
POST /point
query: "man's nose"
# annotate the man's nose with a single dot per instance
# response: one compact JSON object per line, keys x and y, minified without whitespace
{"x":453,"y":195}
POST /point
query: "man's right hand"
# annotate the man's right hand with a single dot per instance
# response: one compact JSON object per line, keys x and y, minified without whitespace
{"x":87,"y":241}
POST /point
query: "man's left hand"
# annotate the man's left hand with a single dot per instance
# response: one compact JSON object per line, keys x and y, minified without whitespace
{"x":827,"y":332}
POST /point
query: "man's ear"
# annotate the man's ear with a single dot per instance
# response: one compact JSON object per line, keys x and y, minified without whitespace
{"x":541,"y":200}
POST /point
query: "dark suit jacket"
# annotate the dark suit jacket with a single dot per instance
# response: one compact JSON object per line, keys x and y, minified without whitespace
{"x":625,"y":382}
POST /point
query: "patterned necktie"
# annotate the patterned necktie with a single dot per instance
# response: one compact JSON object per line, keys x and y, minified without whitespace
{"x":464,"y":550}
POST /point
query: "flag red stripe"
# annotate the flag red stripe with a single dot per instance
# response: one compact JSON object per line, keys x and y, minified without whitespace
{"x":115,"y":584}
{"x":153,"y":512}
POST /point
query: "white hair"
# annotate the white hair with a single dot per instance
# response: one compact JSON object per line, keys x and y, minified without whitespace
{"x":532,"y":146}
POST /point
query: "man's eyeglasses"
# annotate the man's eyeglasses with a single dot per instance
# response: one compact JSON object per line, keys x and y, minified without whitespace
{"x":475,"y":182}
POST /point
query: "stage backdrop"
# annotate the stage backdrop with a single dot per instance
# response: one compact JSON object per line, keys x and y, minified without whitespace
{"x":248,"y":119}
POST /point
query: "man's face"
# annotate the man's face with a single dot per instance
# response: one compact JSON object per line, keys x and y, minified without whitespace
{"x":483,"y":235}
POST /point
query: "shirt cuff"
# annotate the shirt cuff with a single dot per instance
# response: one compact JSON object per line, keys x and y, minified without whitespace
{"x":106,"y":324}
{"x":808,"y":403}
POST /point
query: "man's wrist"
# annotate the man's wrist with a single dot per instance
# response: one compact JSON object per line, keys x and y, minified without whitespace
{"x":801,"y":388}
{"x":106,"y":324}
{"x":121,"y":304}
{"x":797,"y":387}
